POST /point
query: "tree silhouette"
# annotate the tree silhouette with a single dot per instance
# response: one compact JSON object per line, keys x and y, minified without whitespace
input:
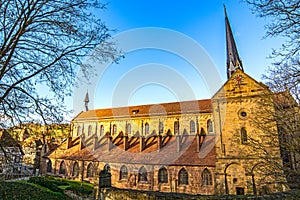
{"x":42,"y":45}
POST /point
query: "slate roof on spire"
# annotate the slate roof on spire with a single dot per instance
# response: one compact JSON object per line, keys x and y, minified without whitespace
{"x":233,"y":60}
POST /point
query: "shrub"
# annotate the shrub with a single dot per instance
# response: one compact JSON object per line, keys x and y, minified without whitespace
{"x":42,"y":181}
{"x":22,"y":190}
{"x":80,"y":190}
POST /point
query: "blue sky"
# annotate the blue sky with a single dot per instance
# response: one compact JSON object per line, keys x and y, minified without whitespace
{"x":200,"y":20}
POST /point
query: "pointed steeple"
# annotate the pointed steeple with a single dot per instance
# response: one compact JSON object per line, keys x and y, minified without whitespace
{"x":233,"y":60}
{"x":86,"y":101}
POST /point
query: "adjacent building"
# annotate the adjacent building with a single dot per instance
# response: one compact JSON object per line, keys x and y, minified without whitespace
{"x":11,"y":156}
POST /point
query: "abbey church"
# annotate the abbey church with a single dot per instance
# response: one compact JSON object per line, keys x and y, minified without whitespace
{"x":208,"y":146}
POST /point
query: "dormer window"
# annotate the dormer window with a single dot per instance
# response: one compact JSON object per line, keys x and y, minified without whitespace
{"x":135,"y":112}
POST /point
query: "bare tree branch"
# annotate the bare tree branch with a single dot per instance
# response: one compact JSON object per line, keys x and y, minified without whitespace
{"x":43,"y":42}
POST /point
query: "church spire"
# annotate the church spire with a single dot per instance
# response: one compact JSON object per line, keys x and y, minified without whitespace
{"x":86,"y":101}
{"x":233,"y":60}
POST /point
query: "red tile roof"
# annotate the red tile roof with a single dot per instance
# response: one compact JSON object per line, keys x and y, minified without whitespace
{"x":284,"y":99}
{"x":168,"y":154}
{"x":197,"y":106}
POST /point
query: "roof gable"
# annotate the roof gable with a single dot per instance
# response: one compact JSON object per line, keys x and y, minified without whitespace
{"x":241,"y":84}
{"x":6,"y":140}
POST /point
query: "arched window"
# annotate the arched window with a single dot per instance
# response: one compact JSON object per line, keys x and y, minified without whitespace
{"x":209,"y":126}
{"x":123,"y":173}
{"x":101,"y":130}
{"x":79,"y":130}
{"x":49,"y":166}
{"x":62,"y":168}
{"x":176,"y":127}
{"x":128,"y":128}
{"x":90,"y":130}
{"x":162,"y":175}
{"x":147,"y":129}
{"x":114,"y":129}
{"x":90,"y":171}
{"x":183,"y":177}
{"x":142,"y":174}
{"x":243,"y":135}
{"x":206,"y":177}
{"x":75,"y":172}
{"x":192,"y":126}
{"x":161,"y":128}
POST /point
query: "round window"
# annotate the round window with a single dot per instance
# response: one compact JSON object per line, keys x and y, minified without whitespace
{"x":242,"y":113}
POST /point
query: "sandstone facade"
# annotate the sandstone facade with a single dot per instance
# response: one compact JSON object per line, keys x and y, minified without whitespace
{"x":210,"y":146}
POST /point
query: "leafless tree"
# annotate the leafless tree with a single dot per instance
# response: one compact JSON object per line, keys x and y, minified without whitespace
{"x":42,"y":45}
{"x":287,"y":117}
{"x":283,"y":77}
{"x":284,"y":21}
{"x":283,"y":17}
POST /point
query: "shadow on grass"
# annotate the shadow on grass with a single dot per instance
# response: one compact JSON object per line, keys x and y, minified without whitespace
{"x":26,"y":191}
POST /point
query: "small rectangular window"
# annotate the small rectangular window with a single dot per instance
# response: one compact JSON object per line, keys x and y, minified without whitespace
{"x":135,"y":112}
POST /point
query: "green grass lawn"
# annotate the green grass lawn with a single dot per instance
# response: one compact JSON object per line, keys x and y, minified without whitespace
{"x":49,"y":188}
{"x":23,"y":190}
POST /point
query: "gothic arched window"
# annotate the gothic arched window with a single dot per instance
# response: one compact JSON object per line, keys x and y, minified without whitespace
{"x":62,"y":168}
{"x":89,"y":130}
{"x":176,"y":127}
{"x":162,"y":175}
{"x":244,"y":137}
{"x":79,"y":130}
{"x":210,"y":128}
{"x":147,"y":129}
{"x":75,"y":172}
{"x":192,"y":126}
{"x":90,"y":171}
{"x":142,"y":177}
{"x":123,"y":173}
{"x":206,"y":177}
{"x":161,"y":127}
{"x":101,"y":130}
{"x":128,"y":128}
{"x":183,"y":177}
{"x":114,"y":129}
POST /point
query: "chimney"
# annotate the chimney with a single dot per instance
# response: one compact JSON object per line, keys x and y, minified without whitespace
{"x":178,"y":142}
{"x":95,"y":142}
{"x":142,"y":143}
{"x":159,"y":142}
{"x":126,"y":144}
